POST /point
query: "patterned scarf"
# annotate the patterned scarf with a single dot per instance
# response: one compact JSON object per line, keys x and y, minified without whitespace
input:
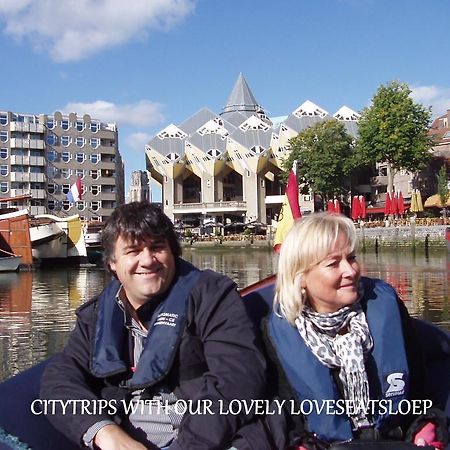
{"x":346,"y":351}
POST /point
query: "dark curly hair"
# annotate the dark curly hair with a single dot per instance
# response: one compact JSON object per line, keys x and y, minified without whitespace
{"x":138,"y":221}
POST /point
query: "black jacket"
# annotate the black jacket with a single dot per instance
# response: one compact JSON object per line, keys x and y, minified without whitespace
{"x":218,"y":335}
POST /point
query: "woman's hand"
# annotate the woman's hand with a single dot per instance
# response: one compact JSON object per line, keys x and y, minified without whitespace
{"x":112,"y":437}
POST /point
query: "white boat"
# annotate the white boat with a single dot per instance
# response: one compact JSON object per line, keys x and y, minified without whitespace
{"x":9,"y":263}
{"x":55,"y":237}
{"x":93,"y":234}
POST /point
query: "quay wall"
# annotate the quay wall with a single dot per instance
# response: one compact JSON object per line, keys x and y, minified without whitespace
{"x":393,"y":236}
{"x":403,"y":236}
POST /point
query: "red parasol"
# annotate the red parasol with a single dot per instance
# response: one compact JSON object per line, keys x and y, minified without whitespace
{"x":330,"y":207}
{"x":362,"y":206}
{"x":387,"y":205}
{"x":394,"y":204}
{"x":401,"y":204}
{"x":337,"y":206}
{"x":356,"y":208}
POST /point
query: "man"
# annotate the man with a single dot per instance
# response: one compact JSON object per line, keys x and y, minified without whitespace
{"x":156,"y":358}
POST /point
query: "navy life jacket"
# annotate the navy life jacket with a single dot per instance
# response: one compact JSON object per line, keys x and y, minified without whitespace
{"x":386,"y":366}
{"x":165,"y":331}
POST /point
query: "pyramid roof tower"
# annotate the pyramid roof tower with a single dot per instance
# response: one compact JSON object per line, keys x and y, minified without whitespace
{"x":241,"y":100}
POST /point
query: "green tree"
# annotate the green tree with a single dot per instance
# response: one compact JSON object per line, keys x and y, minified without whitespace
{"x":394,"y":130}
{"x":323,"y":154}
{"x":442,"y":187}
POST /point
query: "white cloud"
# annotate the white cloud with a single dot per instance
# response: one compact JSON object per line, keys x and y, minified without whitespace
{"x":71,"y":30}
{"x":143,"y":113}
{"x":137,"y":141}
{"x":436,"y":97}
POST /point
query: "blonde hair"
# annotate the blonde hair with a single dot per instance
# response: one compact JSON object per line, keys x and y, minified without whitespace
{"x":309,"y":241}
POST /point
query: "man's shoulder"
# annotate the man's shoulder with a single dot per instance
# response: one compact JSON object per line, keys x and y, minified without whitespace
{"x":210,"y":278}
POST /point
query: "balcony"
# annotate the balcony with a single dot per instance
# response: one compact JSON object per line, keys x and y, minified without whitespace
{"x":35,"y":193}
{"x":26,"y":127}
{"x":209,"y":207}
{"x":27,"y":160}
{"x":28,"y":177}
{"x":27,"y":143}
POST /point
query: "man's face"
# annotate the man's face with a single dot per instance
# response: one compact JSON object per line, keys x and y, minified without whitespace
{"x":145,"y":269}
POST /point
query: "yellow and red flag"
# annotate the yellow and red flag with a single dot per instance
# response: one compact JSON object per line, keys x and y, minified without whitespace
{"x":290,"y":211}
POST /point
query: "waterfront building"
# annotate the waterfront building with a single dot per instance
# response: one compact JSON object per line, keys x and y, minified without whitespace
{"x":44,"y":155}
{"x":139,"y":187}
{"x":225,"y":167}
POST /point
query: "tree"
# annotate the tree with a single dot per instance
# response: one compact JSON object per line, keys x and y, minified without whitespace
{"x":394,"y":130}
{"x":442,"y":187}
{"x":323,"y":153}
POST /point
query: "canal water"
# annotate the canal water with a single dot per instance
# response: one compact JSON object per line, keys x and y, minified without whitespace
{"x":37,"y":308}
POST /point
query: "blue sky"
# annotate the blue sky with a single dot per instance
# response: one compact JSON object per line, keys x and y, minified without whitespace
{"x":147,"y":63}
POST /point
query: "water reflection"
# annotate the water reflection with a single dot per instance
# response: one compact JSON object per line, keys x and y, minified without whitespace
{"x":37,"y":309}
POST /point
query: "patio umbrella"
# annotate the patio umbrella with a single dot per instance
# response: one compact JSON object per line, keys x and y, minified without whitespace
{"x":401,"y":204}
{"x":413,"y":207}
{"x":337,"y":206}
{"x":330,"y":207}
{"x":435,"y":201}
{"x":356,"y":206}
{"x":419,"y":201}
{"x":387,"y":205}
{"x":362,"y":206}
{"x":394,"y":204}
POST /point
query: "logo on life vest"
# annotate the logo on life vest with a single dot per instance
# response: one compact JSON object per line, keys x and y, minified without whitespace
{"x":167,"y":319}
{"x":396,"y":384}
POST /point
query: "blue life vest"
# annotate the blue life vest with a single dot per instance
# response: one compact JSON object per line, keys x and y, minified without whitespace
{"x":386,"y":366}
{"x":165,"y":331}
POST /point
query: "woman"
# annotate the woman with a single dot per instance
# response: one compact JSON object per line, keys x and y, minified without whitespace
{"x":343,"y":346}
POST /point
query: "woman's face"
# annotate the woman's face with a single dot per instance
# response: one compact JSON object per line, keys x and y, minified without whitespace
{"x":333,"y":282}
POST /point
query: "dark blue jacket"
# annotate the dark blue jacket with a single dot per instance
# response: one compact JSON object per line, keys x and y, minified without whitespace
{"x":214,"y":333}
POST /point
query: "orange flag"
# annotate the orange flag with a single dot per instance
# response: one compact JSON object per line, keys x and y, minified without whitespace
{"x":290,"y":211}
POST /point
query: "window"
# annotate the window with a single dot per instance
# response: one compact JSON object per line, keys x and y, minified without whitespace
{"x":79,"y":173}
{"x":95,"y":126}
{"x":52,"y":139}
{"x":4,"y":170}
{"x":95,"y":158}
{"x":80,"y":141}
{"x":3,"y":136}
{"x":36,"y":169}
{"x":81,"y":206}
{"x":51,"y":155}
{"x":66,"y":205}
{"x":51,"y":205}
{"x":95,"y":174}
{"x":66,"y":156}
{"x":65,"y":140}
{"x":65,"y":173}
{"x":4,"y":153}
{"x":51,"y":188}
{"x":95,"y":189}
{"x":80,"y":125}
{"x":65,"y":124}
{"x":79,"y":157}
{"x":65,"y":188}
{"x":94,"y":142}
{"x":96,"y":205}
{"x":50,"y":122}
{"x":52,"y":171}
{"x":4,"y":187}
{"x":3,"y":118}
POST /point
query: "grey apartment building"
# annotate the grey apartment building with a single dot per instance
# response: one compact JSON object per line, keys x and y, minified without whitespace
{"x":43,"y":155}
